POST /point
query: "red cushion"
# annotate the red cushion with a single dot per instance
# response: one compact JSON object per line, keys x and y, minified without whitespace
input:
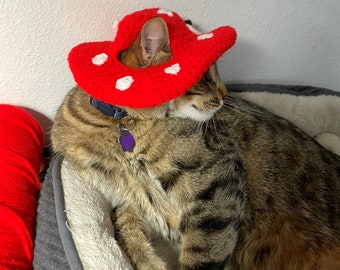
{"x":21,"y":144}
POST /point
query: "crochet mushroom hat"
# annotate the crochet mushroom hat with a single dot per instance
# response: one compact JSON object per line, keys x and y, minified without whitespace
{"x":98,"y":71}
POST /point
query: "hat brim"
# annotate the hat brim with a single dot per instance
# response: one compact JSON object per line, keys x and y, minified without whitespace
{"x":147,"y":87}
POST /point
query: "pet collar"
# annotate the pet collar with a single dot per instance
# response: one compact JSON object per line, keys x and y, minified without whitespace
{"x":107,"y":109}
{"x":98,"y":71}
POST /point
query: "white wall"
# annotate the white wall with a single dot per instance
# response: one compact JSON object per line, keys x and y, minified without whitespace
{"x":279,"y":41}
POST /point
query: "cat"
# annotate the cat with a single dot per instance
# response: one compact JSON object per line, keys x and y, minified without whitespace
{"x":227,"y":184}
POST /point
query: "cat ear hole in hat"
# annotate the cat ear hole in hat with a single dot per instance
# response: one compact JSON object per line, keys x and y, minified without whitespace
{"x":155,"y":42}
{"x":152,"y":46}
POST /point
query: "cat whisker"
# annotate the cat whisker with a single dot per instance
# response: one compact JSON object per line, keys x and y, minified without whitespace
{"x":233,"y":108}
{"x":195,"y":128}
{"x":206,"y":127}
{"x":216,"y":132}
{"x":248,"y":108}
{"x":200,"y":126}
{"x":232,"y":104}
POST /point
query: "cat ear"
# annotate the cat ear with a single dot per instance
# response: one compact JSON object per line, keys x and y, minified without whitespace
{"x":215,"y":78}
{"x":213,"y":73}
{"x":154,"y":40}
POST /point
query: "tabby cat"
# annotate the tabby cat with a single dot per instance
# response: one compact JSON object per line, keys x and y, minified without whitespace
{"x":227,"y":186}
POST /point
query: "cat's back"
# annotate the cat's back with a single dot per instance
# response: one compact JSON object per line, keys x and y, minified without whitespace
{"x":293,"y":188}
{"x":270,"y":144}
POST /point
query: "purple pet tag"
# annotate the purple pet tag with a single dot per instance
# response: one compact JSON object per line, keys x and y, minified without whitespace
{"x":126,"y":139}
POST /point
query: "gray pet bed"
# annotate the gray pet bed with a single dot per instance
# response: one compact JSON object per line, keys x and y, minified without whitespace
{"x":54,"y":246}
{"x":314,"y":110}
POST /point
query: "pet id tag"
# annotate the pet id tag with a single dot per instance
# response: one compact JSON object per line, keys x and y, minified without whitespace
{"x":125,"y":139}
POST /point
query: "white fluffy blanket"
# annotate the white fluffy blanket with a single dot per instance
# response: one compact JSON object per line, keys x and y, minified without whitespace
{"x":89,"y":220}
{"x":89,"y":214}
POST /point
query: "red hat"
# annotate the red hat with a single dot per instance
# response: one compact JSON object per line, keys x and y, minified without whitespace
{"x":98,"y":71}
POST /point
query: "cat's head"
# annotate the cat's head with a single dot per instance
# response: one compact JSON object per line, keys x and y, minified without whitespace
{"x":152,"y":47}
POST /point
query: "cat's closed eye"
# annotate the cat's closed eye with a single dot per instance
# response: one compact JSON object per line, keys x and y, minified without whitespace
{"x":203,"y":100}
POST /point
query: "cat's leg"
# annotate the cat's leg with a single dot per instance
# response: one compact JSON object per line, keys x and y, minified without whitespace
{"x":208,"y":241}
{"x":132,"y":236}
{"x":210,"y":227}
